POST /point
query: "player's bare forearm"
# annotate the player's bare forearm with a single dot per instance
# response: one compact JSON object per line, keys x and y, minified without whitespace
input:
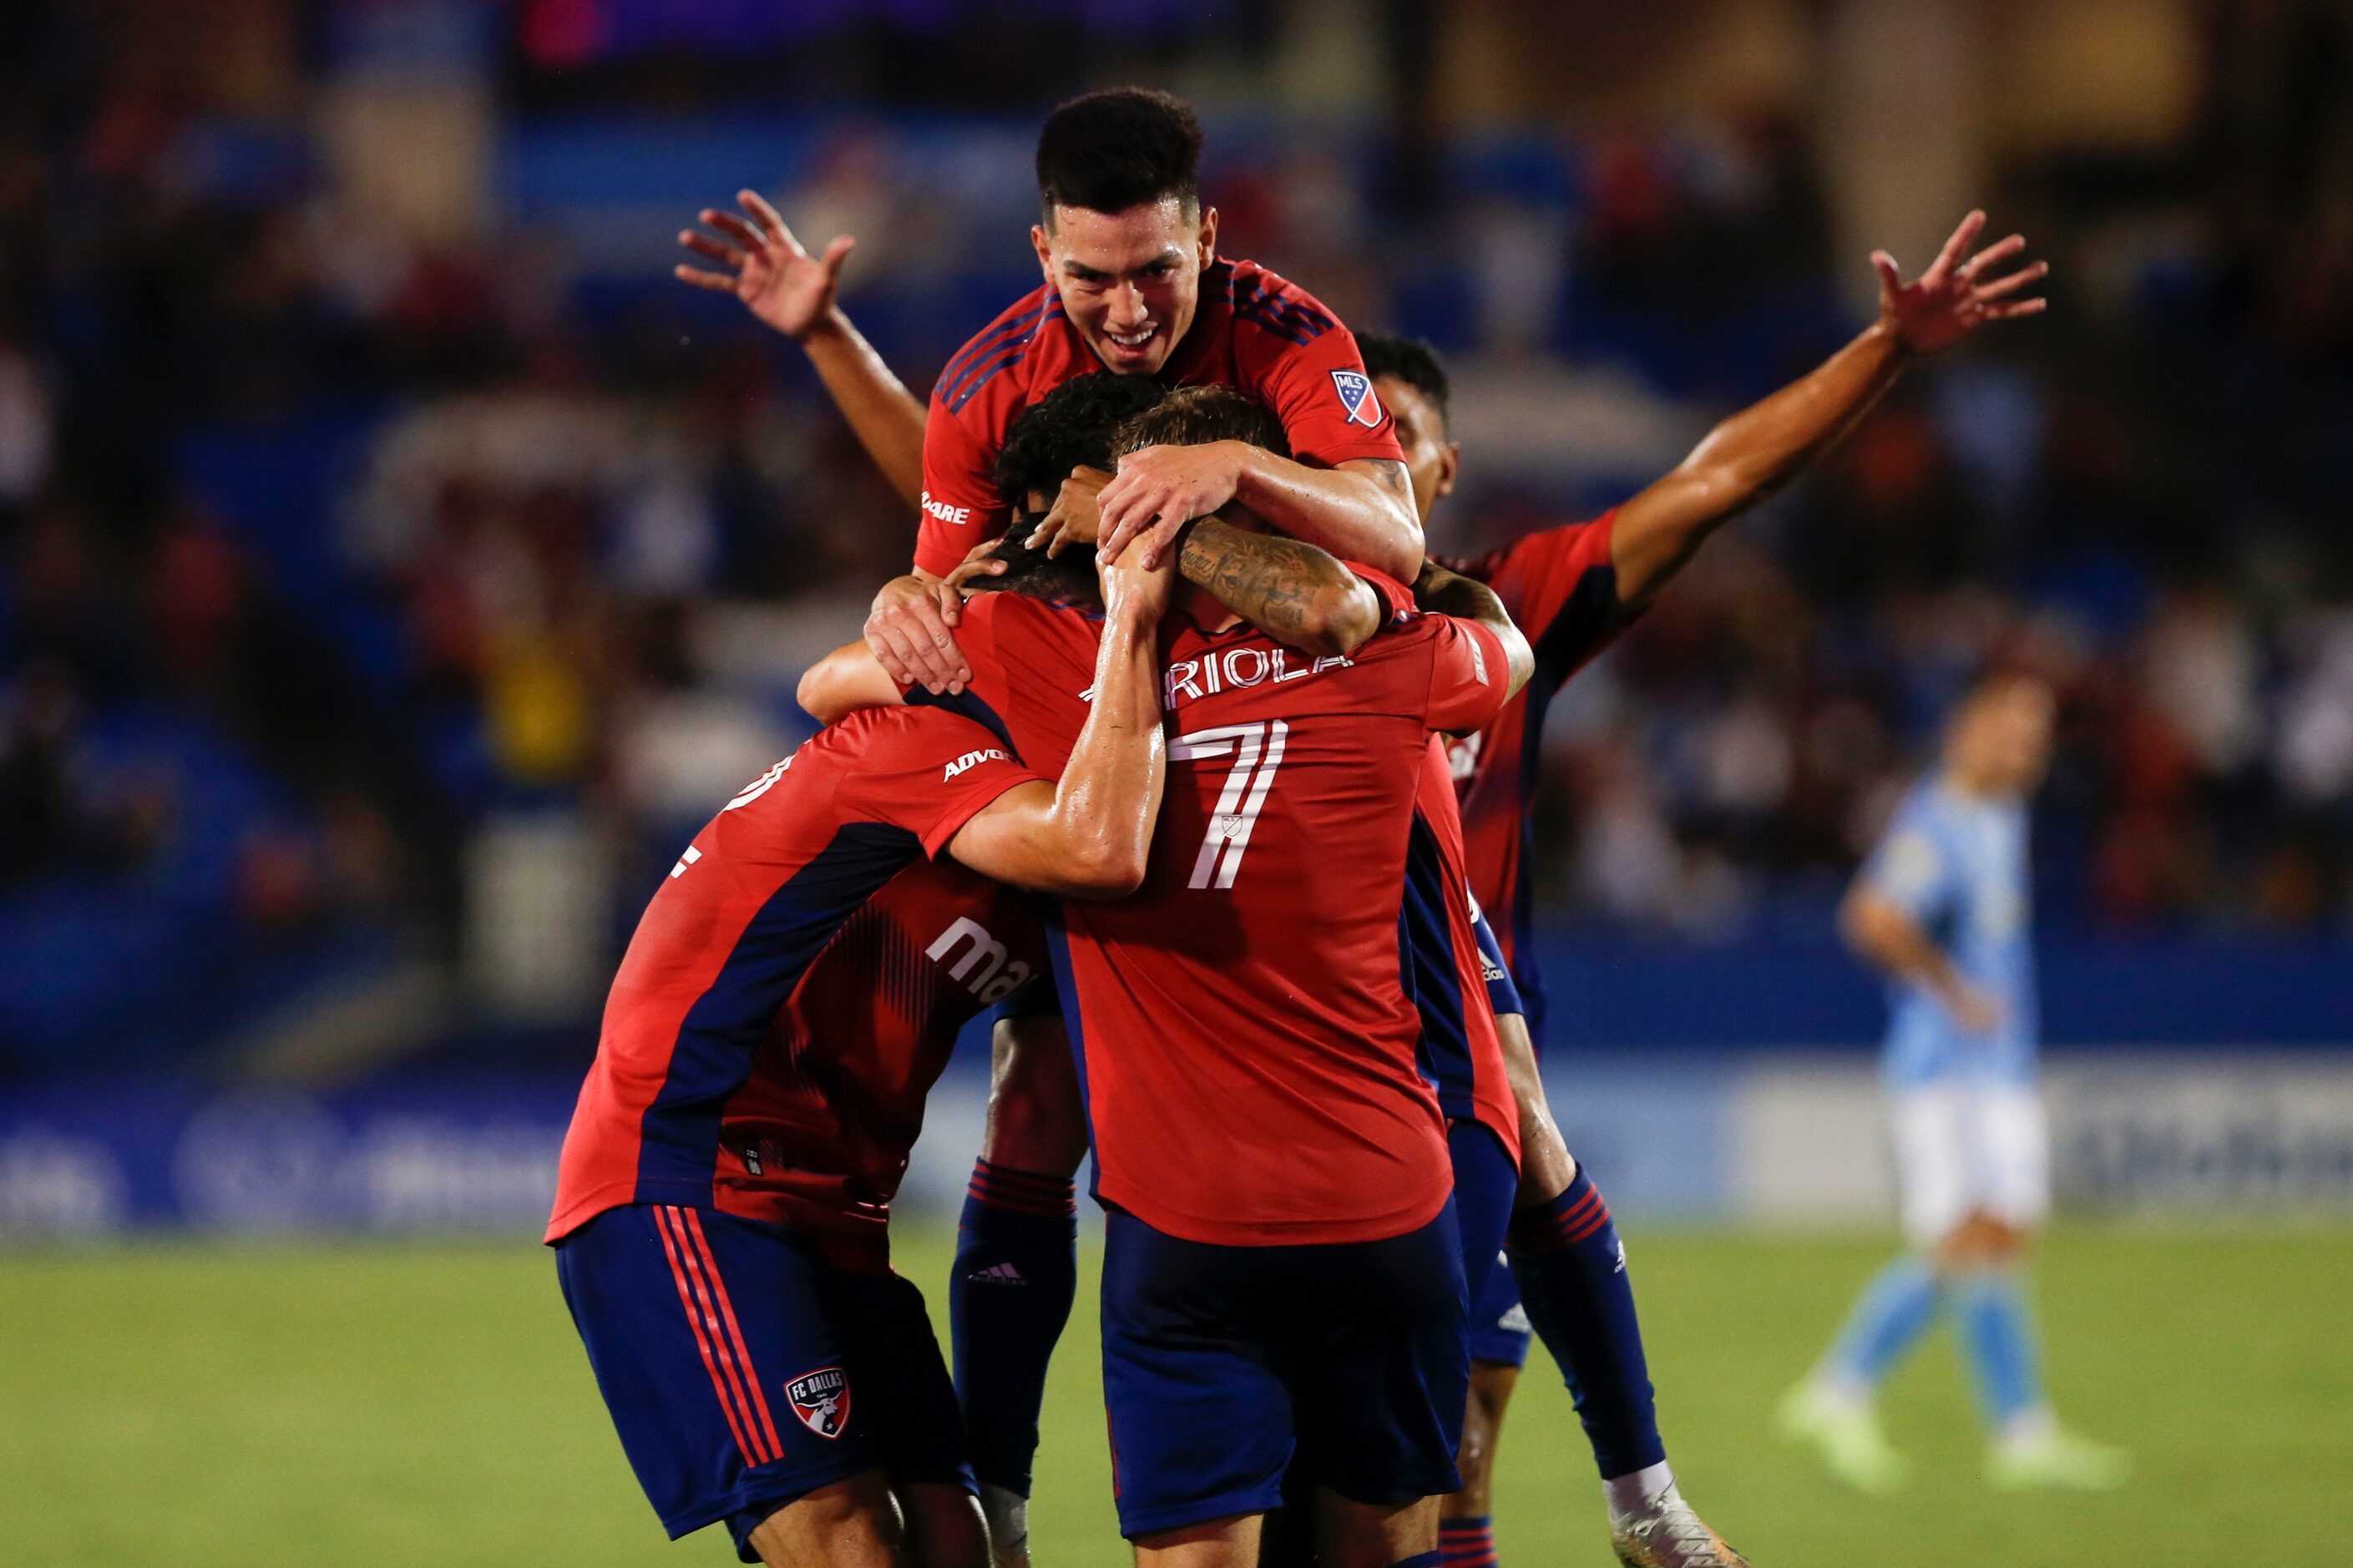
{"x":1439,"y":592}
{"x":1361,"y":510}
{"x":887,"y":418}
{"x":1892,"y":943}
{"x":1294,"y":593}
{"x":845,"y":680}
{"x":1109,"y":796}
{"x":1748,"y":458}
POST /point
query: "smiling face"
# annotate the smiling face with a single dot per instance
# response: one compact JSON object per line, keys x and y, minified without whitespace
{"x":1130,"y":280}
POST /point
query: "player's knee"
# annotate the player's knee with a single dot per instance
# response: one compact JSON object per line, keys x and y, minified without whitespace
{"x":851,"y":1523}
{"x":1372,"y":1535}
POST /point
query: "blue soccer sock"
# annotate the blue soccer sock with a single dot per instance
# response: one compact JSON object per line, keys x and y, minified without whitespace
{"x":1996,"y":1335}
{"x":1894,"y":1310}
{"x":1017,"y":1273}
{"x":1467,"y":1542}
{"x":1572,"y":1276}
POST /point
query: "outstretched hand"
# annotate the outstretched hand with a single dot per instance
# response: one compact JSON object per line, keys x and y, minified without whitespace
{"x":1955,"y":296}
{"x":778,"y":281}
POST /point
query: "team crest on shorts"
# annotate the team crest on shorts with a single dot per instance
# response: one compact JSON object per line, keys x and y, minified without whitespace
{"x":1356,"y":390}
{"x":821,"y":1399}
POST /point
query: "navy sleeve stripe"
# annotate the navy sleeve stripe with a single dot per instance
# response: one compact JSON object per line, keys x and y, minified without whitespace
{"x":992,"y":337}
{"x":949,"y":392}
{"x":955,"y":403}
{"x":1270,"y":324}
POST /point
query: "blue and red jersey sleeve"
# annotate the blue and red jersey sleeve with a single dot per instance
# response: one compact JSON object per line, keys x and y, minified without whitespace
{"x":1297,"y":359}
{"x":980,"y":391}
{"x":930,"y":772}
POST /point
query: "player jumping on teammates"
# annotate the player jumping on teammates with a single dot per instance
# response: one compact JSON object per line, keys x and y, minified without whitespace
{"x":1283,"y":1277}
{"x":789,"y":997}
{"x":1941,"y":908}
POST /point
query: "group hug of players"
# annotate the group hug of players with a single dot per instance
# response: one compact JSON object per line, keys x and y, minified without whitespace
{"x":1176,"y":750}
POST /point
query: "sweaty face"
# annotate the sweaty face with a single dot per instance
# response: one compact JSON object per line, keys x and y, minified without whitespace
{"x":1430,"y":457}
{"x":1130,"y":280}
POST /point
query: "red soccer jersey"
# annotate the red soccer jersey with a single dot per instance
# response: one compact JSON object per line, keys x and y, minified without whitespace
{"x":1559,"y":585}
{"x":1253,"y":331}
{"x":795,"y":986}
{"x":1246,"y":1039}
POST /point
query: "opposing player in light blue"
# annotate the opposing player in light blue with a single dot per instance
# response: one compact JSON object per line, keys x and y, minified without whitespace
{"x":1941,"y":908}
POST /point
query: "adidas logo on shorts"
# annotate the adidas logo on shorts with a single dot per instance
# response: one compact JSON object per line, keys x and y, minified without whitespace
{"x":996,"y":1274}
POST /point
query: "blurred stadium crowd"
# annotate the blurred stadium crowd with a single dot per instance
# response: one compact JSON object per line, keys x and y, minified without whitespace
{"x":364,"y":586}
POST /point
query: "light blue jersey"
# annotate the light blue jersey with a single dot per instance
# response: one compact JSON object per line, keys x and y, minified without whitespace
{"x":1958,"y":866}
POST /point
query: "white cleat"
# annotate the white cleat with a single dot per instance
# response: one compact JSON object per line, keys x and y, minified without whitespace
{"x":1666,"y":1534}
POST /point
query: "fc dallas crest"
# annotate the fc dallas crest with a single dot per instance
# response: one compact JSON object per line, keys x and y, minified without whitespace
{"x":821,"y":1399}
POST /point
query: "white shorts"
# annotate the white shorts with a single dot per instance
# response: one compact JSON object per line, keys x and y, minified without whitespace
{"x":1964,"y":1148}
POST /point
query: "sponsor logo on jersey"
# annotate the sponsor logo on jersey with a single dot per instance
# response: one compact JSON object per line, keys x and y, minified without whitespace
{"x":1356,"y":390}
{"x":955,"y":516}
{"x":973,"y":759}
{"x":821,"y":1399}
{"x":985,"y":955}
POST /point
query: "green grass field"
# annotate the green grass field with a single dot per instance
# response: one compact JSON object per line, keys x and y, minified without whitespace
{"x":415,"y":1405}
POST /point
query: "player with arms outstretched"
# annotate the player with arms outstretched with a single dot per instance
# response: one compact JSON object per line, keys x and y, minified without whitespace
{"x":789,"y":997}
{"x":1573,"y":589}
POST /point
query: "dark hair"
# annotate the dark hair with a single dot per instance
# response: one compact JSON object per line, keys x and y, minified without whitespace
{"x":1409,"y":360}
{"x":1195,"y":415}
{"x":1072,"y":426}
{"x":1114,"y":150}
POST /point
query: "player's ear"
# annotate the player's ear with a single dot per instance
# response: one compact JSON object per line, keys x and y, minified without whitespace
{"x":1207,"y":241}
{"x":1043,"y":244}
{"x":1449,"y":463}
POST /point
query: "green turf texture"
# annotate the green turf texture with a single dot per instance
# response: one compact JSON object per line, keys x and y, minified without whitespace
{"x":429,"y":1405}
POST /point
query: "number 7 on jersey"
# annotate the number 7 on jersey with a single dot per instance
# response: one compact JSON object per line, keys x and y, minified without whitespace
{"x":1257,"y":750}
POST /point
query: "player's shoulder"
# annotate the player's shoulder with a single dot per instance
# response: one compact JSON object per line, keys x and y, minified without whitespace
{"x":1002,"y":357}
{"x":1587,"y":541}
{"x":1268,"y":308}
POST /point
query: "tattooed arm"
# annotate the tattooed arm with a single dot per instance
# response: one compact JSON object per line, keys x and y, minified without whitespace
{"x":1299,"y":596}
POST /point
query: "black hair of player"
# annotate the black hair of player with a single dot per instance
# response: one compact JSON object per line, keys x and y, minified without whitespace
{"x":1119,"y":148}
{"x":1409,"y":360}
{"x":1196,"y":415}
{"x":1072,"y":427}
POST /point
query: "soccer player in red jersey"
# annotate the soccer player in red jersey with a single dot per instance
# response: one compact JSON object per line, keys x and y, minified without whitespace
{"x":1133,"y":284}
{"x":789,"y":997}
{"x":1284,"y":1275}
{"x":1573,"y":589}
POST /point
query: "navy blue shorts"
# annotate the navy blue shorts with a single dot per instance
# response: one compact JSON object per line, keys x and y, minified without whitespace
{"x":1485,"y":1183}
{"x":1221,"y":1363}
{"x":743,"y":1371}
{"x":1501,"y":991}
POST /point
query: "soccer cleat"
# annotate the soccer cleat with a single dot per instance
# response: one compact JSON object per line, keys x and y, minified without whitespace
{"x":1666,"y":1534}
{"x":1844,"y":1432}
{"x":2056,"y":1460}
